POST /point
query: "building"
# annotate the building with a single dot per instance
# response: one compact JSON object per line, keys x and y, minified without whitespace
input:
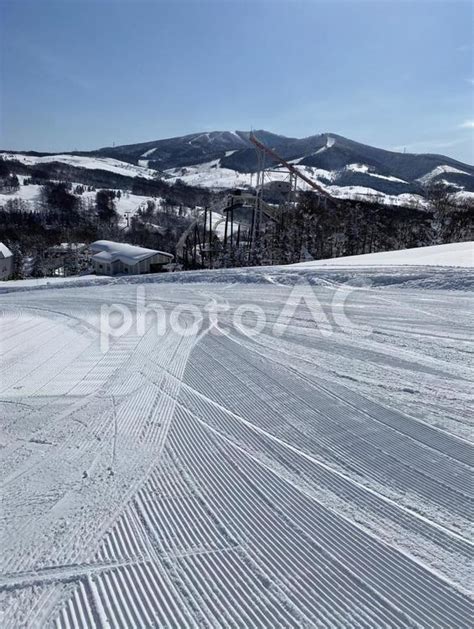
{"x":112,"y":258}
{"x":6,"y":262}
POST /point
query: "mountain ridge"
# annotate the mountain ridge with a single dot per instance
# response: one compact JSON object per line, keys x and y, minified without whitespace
{"x":273,"y":140}
{"x":225,"y":159}
{"x":137,"y":149}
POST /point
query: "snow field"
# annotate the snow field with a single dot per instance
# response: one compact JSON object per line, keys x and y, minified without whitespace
{"x":292,"y":481}
{"x":127,"y":203}
{"x":212,"y":175}
{"x":459,"y":254}
{"x":81,"y":161}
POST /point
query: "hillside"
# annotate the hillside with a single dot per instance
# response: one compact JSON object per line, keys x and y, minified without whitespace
{"x":457,"y":254}
{"x":223,"y":159}
{"x":47,"y":200}
{"x":330,"y":158}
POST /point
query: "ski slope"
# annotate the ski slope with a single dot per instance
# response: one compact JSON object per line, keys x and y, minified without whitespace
{"x":213,"y":175}
{"x":457,"y":254}
{"x":83,"y":161}
{"x":294,"y":478}
{"x":216,"y":177}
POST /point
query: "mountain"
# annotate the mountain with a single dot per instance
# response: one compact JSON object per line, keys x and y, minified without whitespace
{"x":180,"y":151}
{"x":159,"y":191}
{"x":227,"y":159}
{"x":331,"y":159}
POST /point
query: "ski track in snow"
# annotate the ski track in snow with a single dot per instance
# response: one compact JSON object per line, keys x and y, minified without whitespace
{"x":227,"y":481}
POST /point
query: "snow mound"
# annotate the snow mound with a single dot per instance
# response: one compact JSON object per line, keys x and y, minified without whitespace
{"x":454,"y":254}
{"x":50,"y":282}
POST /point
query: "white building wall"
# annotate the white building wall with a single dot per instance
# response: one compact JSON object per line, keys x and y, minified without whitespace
{"x":6,"y":267}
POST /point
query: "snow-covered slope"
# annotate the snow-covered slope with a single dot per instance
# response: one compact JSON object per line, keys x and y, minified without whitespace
{"x":97,"y":163}
{"x":454,"y":254}
{"x":439,"y":170}
{"x":223,"y":159}
{"x":50,"y":282}
{"x":316,"y":474}
{"x":127,"y":204}
{"x":354,"y":181}
{"x":213,"y":175}
{"x":451,"y":256}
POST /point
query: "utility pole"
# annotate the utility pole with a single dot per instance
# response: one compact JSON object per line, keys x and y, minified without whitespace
{"x":210,"y":238}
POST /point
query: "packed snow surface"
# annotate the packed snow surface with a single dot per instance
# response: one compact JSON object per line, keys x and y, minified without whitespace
{"x":316,"y":474}
{"x":33,"y":282}
{"x":452,"y":254}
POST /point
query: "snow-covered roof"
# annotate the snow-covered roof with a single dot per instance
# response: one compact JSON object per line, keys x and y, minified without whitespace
{"x":109,"y":251}
{"x":103,"y":256}
{"x":5,"y":251}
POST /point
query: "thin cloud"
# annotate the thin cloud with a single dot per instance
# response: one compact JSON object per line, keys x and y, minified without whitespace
{"x":467,"y":124}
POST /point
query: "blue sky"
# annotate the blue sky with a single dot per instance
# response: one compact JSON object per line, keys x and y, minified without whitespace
{"x":81,"y":74}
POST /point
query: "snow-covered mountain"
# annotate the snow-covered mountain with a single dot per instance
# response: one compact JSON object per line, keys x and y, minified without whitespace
{"x":223,"y":159}
{"x":218,"y":159}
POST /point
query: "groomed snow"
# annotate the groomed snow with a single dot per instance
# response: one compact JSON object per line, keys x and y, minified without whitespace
{"x":316,"y":474}
{"x":454,"y":254}
{"x":374,"y":265}
{"x":32,"y":282}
